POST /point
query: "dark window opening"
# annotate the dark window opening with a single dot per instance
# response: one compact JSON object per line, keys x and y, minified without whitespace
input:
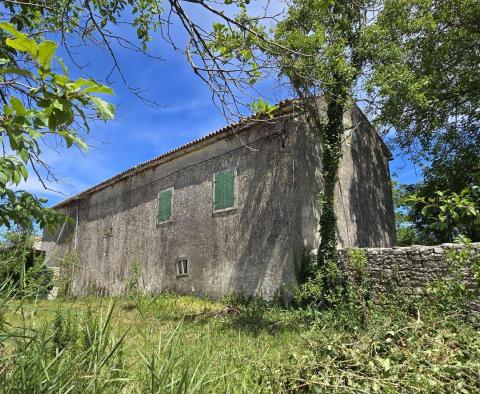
{"x":182,"y":267}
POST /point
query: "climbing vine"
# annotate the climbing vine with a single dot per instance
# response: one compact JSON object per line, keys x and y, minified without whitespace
{"x":317,"y":48}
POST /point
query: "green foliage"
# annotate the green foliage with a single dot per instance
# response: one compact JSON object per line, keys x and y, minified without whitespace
{"x":405,"y":232}
{"x":310,"y":283}
{"x":423,"y":86}
{"x":359,"y":287}
{"x":168,"y":367}
{"x":49,"y":357}
{"x":305,"y":266}
{"x":65,"y":331}
{"x":352,"y":289}
{"x":452,"y":292}
{"x":445,"y":215}
{"x":23,"y":267}
{"x":38,"y":279}
{"x":190,"y":345}
{"x":394,"y":353}
{"x":68,"y":16}
{"x":41,"y":103}
{"x":262,"y":108}
{"x":424,"y":80}
{"x":132,"y":287}
{"x":454,"y":173}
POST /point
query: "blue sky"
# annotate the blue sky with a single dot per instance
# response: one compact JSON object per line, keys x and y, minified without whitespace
{"x":140,"y":132}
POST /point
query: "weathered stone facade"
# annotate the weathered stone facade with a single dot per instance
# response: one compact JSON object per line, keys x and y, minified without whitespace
{"x":409,"y":270}
{"x":249,"y":248}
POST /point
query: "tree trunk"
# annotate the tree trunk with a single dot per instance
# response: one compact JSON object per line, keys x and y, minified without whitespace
{"x":331,"y":155}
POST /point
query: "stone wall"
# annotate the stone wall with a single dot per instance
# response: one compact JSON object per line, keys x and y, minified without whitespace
{"x":409,"y":269}
{"x":248,"y":249}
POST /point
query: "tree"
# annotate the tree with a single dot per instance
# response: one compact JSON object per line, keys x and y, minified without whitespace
{"x":424,"y":92}
{"x":454,"y":178}
{"x":37,"y":103}
{"x":328,"y":34}
{"x":405,"y":231}
{"x":408,"y":59}
{"x":318,"y":48}
{"x":444,"y":216}
{"x":424,"y":82}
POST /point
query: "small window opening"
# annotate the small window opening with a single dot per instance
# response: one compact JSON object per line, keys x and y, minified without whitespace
{"x":182,"y":267}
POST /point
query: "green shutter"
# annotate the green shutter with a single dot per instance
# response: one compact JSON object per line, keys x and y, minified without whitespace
{"x":224,"y":193}
{"x":165,"y":205}
{"x":218,"y":191}
{"x":229,"y":189}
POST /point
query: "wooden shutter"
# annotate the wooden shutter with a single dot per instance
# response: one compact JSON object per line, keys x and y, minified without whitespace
{"x":218,"y":191}
{"x":165,"y":205}
{"x":224,"y":193}
{"x":229,"y":188}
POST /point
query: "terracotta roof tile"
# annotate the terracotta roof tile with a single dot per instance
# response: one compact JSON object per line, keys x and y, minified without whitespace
{"x":285,"y":106}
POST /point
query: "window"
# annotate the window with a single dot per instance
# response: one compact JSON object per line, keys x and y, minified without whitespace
{"x":224,"y":189}
{"x":352,"y":138}
{"x":164,"y":213}
{"x":182,"y":267}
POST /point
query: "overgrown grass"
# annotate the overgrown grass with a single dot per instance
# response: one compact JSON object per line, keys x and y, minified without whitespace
{"x":180,"y":344}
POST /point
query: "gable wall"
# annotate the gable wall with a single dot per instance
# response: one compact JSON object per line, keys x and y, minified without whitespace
{"x":364,"y":203}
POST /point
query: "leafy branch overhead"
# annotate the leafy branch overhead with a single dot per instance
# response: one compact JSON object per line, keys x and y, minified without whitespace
{"x":41,"y":103}
{"x":449,"y":213}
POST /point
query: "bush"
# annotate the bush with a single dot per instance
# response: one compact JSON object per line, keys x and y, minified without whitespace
{"x":452,"y":292}
{"x":22,"y":266}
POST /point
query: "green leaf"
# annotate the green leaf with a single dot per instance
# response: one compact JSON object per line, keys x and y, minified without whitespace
{"x":33,"y":133}
{"x":14,"y":141}
{"x":60,"y":79}
{"x":45,"y":52}
{"x":15,"y":70}
{"x":8,"y":27}
{"x":24,"y":45}
{"x":17,"y":105}
{"x":91,"y":86}
{"x":16,"y":177}
{"x":98,"y":88}
{"x":425,"y":210}
{"x":24,"y":155}
{"x":105,"y":110}
{"x":24,"y":172}
{"x":384,"y":363}
{"x":71,"y":138}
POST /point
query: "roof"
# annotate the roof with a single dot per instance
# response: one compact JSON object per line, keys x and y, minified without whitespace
{"x":285,"y":107}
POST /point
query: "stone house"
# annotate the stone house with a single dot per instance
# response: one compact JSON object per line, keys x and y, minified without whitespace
{"x":230,"y":212}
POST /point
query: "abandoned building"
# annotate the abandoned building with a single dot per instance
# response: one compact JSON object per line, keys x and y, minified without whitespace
{"x":228,"y":213}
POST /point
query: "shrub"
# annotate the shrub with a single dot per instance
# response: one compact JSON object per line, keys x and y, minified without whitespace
{"x":452,"y":291}
{"x":22,"y":266}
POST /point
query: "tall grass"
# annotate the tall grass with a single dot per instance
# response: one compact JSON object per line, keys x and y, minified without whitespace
{"x":78,"y":352}
{"x":179,"y":344}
